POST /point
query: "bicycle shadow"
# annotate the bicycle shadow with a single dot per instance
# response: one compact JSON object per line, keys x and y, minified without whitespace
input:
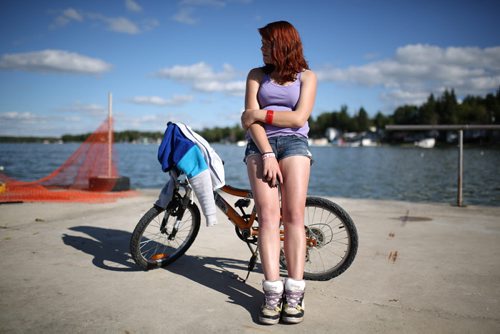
{"x":110,"y":251}
{"x":109,"y":247}
{"x":219,"y":274}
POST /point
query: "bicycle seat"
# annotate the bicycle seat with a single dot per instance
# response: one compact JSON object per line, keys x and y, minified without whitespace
{"x":242,"y":203}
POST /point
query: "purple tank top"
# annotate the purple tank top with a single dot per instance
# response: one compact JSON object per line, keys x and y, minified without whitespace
{"x":280,"y":98}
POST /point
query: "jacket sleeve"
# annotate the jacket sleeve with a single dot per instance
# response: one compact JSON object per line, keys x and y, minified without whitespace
{"x":173,"y":147}
{"x":214,"y":162}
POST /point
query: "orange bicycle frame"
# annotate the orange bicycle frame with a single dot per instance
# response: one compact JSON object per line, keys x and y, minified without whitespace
{"x":229,"y":211}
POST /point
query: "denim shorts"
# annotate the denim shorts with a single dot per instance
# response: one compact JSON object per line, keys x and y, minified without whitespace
{"x":283,"y":147}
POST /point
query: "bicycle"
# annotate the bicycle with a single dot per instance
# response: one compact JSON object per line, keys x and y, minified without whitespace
{"x":159,"y":240}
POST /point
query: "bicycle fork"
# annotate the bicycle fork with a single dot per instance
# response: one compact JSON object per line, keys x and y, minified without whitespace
{"x":175,"y":228}
{"x":176,"y":208}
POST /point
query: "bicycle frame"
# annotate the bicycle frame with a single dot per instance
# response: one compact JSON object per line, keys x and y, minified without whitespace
{"x":237,"y":219}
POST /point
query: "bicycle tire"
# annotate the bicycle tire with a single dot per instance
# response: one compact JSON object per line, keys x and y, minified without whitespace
{"x":151,"y":248}
{"x":332,"y":240}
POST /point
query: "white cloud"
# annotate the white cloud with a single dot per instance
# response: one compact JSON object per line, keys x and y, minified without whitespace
{"x":213,"y":3}
{"x":185,"y":15}
{"x":57,"y":61}
{"x":187,"y":8}
{"x":73,"y":14}
{"x":88,"y":108}
{"x":67,"y":15}
{"x":202,"y":77}
{"x":232,"y":88}
{"x":115,"y":24}
{"x":133,"y":6}
{"x":15,"y":123}
{"x":417,"y":70}
{"x":411,"y":98}
{"x":148,"y":122}
{"x":124,"y":25}
{"x":121,"y":24}
{"x":149,"y":24}
{"x":77,"y":118}
{"x":159,"y":101}
{"x":200,"y":71}
{"x":18,"y":116}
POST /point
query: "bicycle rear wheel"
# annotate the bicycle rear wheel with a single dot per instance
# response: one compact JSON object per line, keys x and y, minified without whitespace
{"x":160,"y":238}
{"x":332,"y":240}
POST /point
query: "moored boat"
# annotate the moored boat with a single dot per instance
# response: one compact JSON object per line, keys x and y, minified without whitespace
{"x":426,"y":143}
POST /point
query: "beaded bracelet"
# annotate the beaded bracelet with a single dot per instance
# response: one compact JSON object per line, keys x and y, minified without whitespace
{"x":268,"y":155}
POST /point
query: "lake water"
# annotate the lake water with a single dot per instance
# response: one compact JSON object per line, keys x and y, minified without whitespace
{"x":385,"y":172}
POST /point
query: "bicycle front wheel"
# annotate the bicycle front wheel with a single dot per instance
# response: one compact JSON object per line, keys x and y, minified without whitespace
{"x":332,"y":239}
{"x":160,"y":238}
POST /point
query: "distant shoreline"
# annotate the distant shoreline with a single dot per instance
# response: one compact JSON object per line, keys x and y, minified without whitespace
{"x":58,"y":141}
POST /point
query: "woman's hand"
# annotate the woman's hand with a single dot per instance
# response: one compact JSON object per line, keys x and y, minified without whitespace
{"x":271,"y":172}
{"x":248,"y":117}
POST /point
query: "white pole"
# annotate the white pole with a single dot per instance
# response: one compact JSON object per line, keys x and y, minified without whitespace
{"x":460,"y":167}
{"x":110,"y":132}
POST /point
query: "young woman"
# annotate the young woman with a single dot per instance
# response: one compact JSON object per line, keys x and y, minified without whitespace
{"x":278,"y":102}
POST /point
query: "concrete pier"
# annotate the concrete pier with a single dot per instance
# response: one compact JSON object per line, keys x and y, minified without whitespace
{"x":420,"y":268}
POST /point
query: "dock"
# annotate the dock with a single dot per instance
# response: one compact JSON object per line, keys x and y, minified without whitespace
{"x":420,"y":268}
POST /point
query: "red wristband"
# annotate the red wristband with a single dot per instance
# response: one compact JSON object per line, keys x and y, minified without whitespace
{"x":269,"y":117}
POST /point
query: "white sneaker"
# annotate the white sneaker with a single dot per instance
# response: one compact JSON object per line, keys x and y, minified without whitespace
{"x":293,"y":304}
{"x":270,"y":311}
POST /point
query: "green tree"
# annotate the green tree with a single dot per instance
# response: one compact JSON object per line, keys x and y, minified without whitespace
{"x":492,"y":103}
{"x":427,"y":112}
{"x":362,"y":120}
{"x":447,"y":108}
{"x":343,"y":120}
{"x":380,"y":120}
{"x":406,"y":115}
{"x":323,"y":121}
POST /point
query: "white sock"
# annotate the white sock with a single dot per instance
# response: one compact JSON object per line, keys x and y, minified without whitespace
{"x":274,"y":286}
{"x":294,"y":285}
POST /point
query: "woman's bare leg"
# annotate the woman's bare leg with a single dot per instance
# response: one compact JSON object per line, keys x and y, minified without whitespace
{"x":268,"y":210}
{"x":295,"y":170}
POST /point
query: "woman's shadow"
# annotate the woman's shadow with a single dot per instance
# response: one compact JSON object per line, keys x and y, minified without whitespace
{"x":110,"y":251}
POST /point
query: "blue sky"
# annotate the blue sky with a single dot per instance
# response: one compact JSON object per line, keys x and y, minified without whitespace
{"x":187,"y":60}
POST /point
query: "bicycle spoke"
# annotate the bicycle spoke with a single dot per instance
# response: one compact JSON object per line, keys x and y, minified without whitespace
{"x":330,"y":249}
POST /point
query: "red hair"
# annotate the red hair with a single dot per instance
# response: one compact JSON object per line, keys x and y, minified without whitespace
{"x":286,"y":52}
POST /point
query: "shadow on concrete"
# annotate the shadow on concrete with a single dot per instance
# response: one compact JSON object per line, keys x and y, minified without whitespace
{"x":109,"y":247}
{"x":218,"y":274}
{"x":110,"y":251}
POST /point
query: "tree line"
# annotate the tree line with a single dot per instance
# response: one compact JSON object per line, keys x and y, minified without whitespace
{"x":441,"y":110}
{"x":444,"y":109}
{"x":127,"y":136}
